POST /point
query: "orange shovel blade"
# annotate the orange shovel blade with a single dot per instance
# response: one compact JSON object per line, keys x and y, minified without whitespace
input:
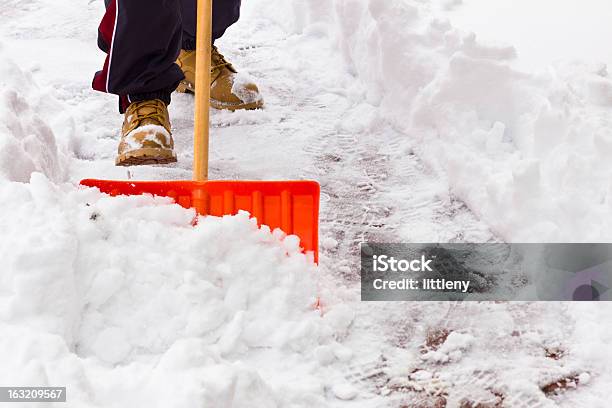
{"x":292,"y":206}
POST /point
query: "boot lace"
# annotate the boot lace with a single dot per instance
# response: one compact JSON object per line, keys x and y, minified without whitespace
{"x":151,"y":109}
{"x":218,"y":60}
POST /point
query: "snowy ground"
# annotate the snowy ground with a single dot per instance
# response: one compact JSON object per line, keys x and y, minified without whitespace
{"x":416,"y":131}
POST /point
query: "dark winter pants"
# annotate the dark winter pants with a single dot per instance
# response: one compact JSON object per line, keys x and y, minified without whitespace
{"x":143,"y":39}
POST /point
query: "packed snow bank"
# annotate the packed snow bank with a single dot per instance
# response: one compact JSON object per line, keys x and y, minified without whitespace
{"x":126,"y":303}
{"x":528,"y":152}
{"x":549,"y":31}
{"x":27,"y":115}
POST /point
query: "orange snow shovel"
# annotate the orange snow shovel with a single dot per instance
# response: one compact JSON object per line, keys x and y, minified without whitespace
{"x":292,"y":206}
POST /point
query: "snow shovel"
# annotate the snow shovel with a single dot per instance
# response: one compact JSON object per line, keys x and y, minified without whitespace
{"x":292,"y":206}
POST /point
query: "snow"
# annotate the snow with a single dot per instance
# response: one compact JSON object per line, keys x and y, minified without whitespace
{"x":452,"y":350}
{"x":345,"y":391}
{"x":584,"y":378}
{"x":130,"y":294}
{"x":417,"y":131}
{"x":152,"y":133}
{"x":525,"y":151}
{"x":28,"y":142}
{"x":561,"y":37}
{"x":240,"y":88}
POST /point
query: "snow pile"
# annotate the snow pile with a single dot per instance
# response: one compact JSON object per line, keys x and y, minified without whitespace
{"x":125,"y":302}
{"x":128,"y":304}
{"x":27,"y":139}
{"x":528,"y":152}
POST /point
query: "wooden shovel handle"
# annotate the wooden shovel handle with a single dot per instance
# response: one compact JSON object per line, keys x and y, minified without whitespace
{"x":201,"y":126}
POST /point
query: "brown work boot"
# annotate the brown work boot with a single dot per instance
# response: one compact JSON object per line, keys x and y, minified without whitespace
{"x":145,"y":136}
{"x":227,"y":90}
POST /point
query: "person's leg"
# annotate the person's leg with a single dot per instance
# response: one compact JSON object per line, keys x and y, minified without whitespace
{"x":225,"y":13}
{"x":225,"y":92}
{"x":142,"y":39}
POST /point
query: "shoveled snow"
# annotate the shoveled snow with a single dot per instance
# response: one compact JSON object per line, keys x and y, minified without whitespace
{"x":27,"y":141}
{"x":125,"y":294}
{"x":528,"y":152}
